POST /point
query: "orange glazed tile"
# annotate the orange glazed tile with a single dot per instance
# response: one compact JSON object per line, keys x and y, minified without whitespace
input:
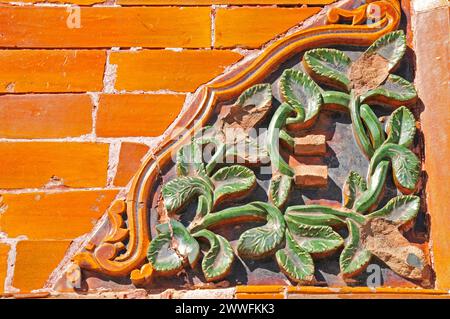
{"x":163,"y":69}
{"x":54,"y":27}
{"x":260,"y":289}
{"x":45,"y":115}
{"x":260,"y":296}
{"x":80,"y":2}
{"x":24,"y":71}
{"x":4,"y":250}
{"x":29,"y":165}
{"x":432,"y":77}
{"x":62,"y":215}
{"x":130,"y":158}
{"x":136,"y":114}
{"x":231,"y":2}
{"x":35,"y":261}
{"x":251,"y":27}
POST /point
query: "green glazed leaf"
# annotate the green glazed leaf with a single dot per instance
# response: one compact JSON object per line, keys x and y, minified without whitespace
{"x":391,"y":46}
{"x":279,"y":189}
{"x":189,"y":160}
{"x":179,"y":191}
{"x":316,"y":240}
{"x":162,"y":256}
{"x":217,"y":261}
{"x":295,"y":262}
{"x":400,"y":209}
{"x":328,"y":65}
{"x":405,"y":165}
{"x":354,"y":257}
{"x":250,"y":109}
{"x":259,"y":95}
{"x":354,"y":187}
{"x":262,"y":241}
{"x":302,"y":93}
{"x":208,"y":135}
{"x":394,"y":90}
{"x":171,"y":247}
{"x":232,"y":181}
{"x":401,"y":127}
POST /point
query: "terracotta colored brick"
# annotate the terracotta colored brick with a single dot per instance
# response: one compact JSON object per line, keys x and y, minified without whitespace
{"x":130,"y":158}
{"x":45,"y":115}
{"x":54,"y":27}
{"x":295,"y":160}
{"x":28,"y":165}
{"x":251,"y":27}
{"x":51,"y":70}
{"x":35,"y":261}
{"x":232,"y":2}
{"x":314,"y":176}
{"x":162,"y":69}
{"x":62,"y":215}
{"x":310,"y":145}
{"x":136,"y":114}
{"x":4,"y":250}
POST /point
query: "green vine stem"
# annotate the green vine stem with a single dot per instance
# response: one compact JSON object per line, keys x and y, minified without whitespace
{"x":342,"y":214}
{"x":336,"y":98}
{"x":273,"y":136}
{"x":376,"y":184}
{"x":373,"y":125}
{"x":285,"y":137}
{"x":358,"y":126}
{"x":249,"y":212}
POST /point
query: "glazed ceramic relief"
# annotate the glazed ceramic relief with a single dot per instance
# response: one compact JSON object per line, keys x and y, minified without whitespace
{"x":302,"y":166}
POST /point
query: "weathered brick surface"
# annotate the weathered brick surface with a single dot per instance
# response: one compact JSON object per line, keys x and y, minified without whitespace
{"x":28,"y":165}
{"x":23,"y":71}
{"x":136,"y":114}
{"x":129,"y":162}
{"x":61,"y":215}
{"x":35,"y":262}
{"x":53,"y":27}
{"x":233,"y":25}
{"x":153,"y":70}
{"x":4,"y":251}
{"x":45,"y":115}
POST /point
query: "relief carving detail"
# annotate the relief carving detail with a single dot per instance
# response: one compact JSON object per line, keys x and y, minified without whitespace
{"x":295,"y":236}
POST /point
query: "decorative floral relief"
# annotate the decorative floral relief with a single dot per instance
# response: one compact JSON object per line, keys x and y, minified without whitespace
{"x":296,"y":236}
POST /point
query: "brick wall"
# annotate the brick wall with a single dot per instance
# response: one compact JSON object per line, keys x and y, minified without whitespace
{"x":85,"y":91}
